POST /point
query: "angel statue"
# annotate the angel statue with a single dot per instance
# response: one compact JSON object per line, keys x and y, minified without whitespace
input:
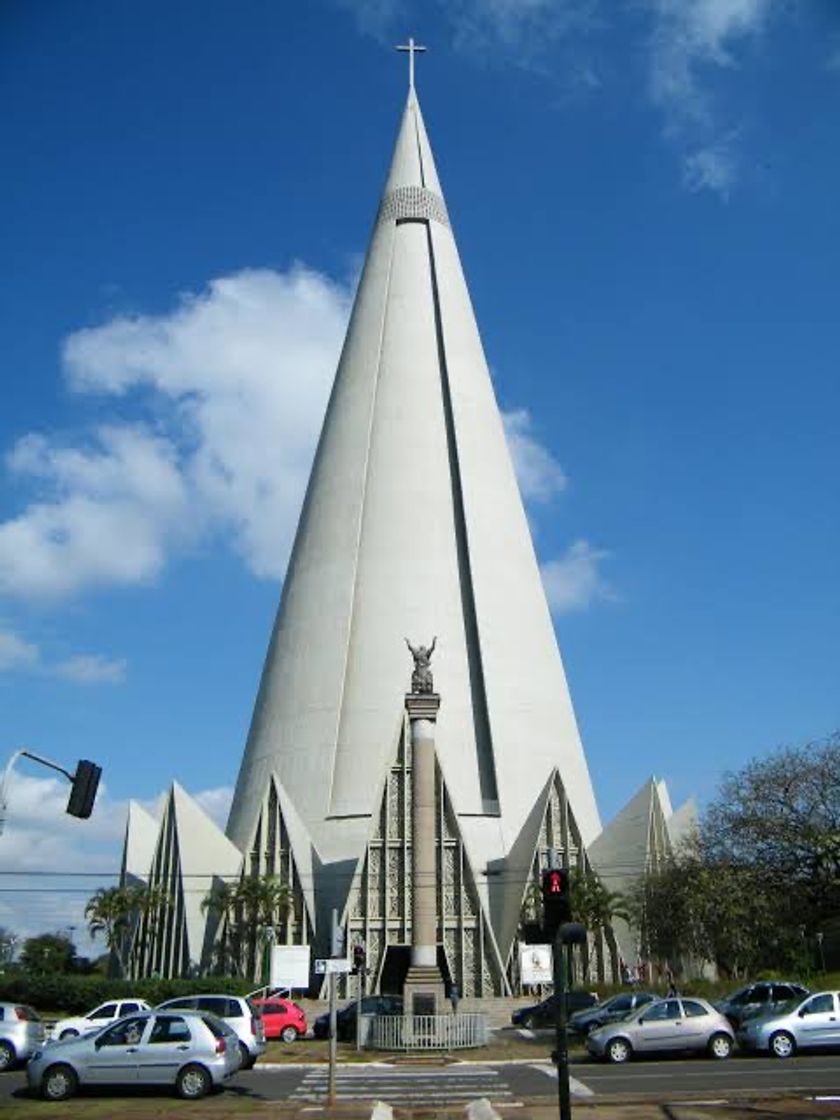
{"x":421,"y":677}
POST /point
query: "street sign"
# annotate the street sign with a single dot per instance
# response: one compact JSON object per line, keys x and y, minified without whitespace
{"x":289,"y":966}
{"x":332,"y":964}
{"x":535,"y":964}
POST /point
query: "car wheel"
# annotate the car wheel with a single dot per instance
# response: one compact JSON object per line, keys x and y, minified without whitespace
{"x":782,"y":1045}
{"x":289,"y":1034}
{"x":193,"y":1082}
{"x":530,"y":1023}
{"x":618,"y":1050}
{"x":720,"y":1046}
{"x":245,"y":1059}
{"x":59,"y":1083}
{"x":8,"y":1057}
{"x":69,"y":1033}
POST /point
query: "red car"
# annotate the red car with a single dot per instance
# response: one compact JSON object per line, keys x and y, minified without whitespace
{"x":281,"y":1018}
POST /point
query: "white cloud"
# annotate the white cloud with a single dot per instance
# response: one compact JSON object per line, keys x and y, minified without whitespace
{"x":713,"y":167}
{"x":237,"y":378}
{"x":102,"y":512}
{"x":216,"y":803}
{"x":540,"y":475}
{"x":574,"y":581}
{"x":15,"y":653}
{"x":523,"y":31}
{"x":52,"y":863}
{"x":690,"y":38}
{"x":91,"y":669}
{"x":378,"y":18}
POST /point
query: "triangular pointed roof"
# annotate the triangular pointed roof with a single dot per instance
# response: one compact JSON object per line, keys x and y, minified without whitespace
{"x":635,"y":840}
{"x":141,"y":833}
{"x":413,"y":525}
{"x":634,"y":837}
{"x":205,"y":854}
{"x":683,"y":822}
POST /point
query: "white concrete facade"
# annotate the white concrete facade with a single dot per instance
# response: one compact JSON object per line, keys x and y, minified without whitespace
{"x":413,"y":525}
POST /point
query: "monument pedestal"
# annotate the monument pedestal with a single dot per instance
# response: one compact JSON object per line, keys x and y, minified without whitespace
{"x":423,"y":991}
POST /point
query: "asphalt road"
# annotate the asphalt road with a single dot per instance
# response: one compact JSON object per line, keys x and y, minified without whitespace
{"x":509,"y":1083}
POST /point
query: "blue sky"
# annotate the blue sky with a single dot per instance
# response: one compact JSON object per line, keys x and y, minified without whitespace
{"x":644,"y":193}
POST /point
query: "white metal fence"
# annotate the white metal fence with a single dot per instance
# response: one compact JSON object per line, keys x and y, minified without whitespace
{"x":424,"y":1032}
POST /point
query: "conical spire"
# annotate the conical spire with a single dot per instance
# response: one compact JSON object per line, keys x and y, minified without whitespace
{"x":413,"y":526}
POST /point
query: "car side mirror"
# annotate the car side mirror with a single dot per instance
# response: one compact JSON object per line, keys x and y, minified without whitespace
{"x":802,"y":1013}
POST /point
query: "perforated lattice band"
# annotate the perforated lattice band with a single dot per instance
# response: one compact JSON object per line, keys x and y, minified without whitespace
{"x":413,"y":202}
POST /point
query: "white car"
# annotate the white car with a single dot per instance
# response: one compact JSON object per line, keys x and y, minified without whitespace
{"x":101,"y":1016}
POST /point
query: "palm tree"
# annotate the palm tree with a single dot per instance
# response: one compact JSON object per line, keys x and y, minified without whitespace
{"x":596,"y":907}
{"x":222,"y":901}
{"x":151,"y":904}
{"x":262,"y":901}
{"x":109,"y":913}
{"x":244,"y":910}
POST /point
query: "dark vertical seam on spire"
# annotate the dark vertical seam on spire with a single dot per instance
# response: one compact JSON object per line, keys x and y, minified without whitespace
{"x":478,"y":692}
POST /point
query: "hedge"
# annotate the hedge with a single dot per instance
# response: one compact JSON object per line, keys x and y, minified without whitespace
{"x":77,"y":994}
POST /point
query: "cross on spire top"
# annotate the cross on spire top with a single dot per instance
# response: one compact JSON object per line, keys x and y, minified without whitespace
{"x":412,"y":49}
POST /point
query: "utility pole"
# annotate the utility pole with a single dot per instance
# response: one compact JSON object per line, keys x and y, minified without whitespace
{"x":336,"y":944}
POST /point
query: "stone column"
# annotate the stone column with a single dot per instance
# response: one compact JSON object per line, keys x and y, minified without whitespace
{"x":423,"y":991}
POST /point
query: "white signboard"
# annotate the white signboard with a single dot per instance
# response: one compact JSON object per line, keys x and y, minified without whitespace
{"x":535,"y":964}
{"x":333,"y":964}
{"x":289,"y":966}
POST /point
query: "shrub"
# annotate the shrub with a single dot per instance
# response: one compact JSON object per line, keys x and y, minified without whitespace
{"x":74,"y":995}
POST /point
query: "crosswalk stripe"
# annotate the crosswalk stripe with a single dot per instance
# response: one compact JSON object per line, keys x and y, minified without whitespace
{"x":438,"y":1086}
{"x":577,"y":1088}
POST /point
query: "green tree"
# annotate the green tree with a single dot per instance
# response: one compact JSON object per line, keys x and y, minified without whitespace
{"x":47,"y":953}
{"x":245,"y":910}
{"x":109,"y":913}
{"x":148,"y":907}
{"x":221,"y":902}
{"x":8,"y":941}
{"x":762,"y":874}
{"x":596,"y":908}
{"x":781,"y":817}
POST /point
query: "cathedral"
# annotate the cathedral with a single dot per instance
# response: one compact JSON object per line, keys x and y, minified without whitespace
{"x":412,"y":529}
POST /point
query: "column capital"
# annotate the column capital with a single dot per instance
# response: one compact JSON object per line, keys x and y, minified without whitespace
{"x":422,"y":705}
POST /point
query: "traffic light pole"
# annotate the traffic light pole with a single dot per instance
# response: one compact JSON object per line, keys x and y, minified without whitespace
{"x":561,"y":1052}
{"x":569,"y":933}
{"x":336,"y":950}
{"x":10,"y":767}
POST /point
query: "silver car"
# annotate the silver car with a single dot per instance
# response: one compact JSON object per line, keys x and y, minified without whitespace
{"x":239,"y":1014}
{"x":21,"y":1033}
{"x":189,"y":1051}
{"x":811,"y":1022}
{"x":684,"y":1023}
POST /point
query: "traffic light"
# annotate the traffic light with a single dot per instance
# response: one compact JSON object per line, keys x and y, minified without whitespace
{"x":556,"y":902}
{"x":83,"y":792}
{"x":359,"y":958}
